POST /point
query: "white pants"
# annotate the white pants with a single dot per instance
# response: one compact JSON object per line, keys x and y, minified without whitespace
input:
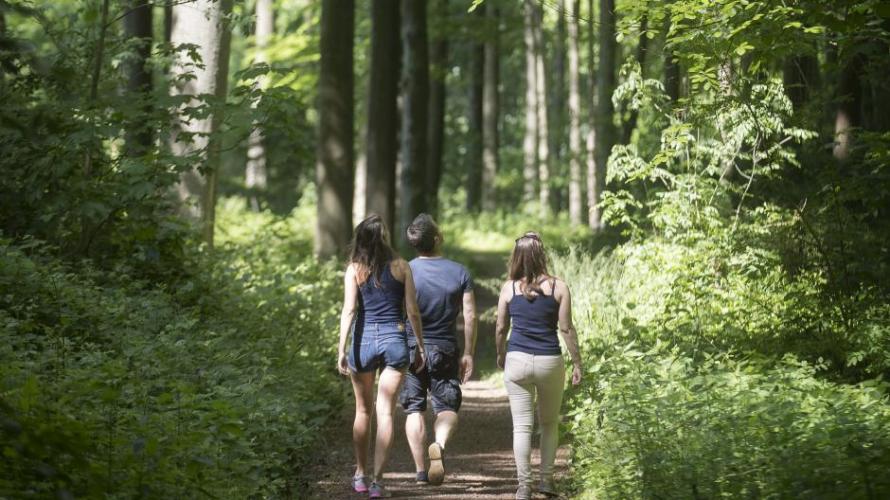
{"x":525,"y":375}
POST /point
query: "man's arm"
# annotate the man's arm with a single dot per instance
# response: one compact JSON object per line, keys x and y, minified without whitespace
{"x":470,"y":325}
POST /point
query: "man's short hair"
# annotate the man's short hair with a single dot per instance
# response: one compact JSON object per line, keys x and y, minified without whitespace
{"x":422,"y":233}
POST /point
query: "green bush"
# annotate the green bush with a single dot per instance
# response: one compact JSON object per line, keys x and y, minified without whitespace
{"x":215,"y":384}
{"x":672,"y":409}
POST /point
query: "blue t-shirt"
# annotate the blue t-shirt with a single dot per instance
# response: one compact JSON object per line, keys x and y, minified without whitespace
{"x":440,"y":285}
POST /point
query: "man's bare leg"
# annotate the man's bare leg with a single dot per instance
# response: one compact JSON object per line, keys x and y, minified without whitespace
{"x":415,"y":430}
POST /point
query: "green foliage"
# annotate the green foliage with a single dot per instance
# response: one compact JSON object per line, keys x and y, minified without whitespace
{"x":216,"y":383}
{"x":669,"y":411}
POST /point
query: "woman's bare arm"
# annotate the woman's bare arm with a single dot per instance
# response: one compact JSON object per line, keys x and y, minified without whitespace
{"x":503,"y":322}
{"x":347,"y":315}
{"x":567,"y":328}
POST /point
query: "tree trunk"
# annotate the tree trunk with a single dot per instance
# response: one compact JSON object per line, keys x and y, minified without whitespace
{"x":415,"y":109}
{"x":333,"y":171}
{"x":138,"y":27}
{"x":544,"y":188}
{"x":490,"y":111}
{"x":255,"y":173}
{"x":575,"y":200}
{"x":382,"y":139}
{"x":168,"y":22}
{"x":642,"y":46}
{"x":592,"y":186}
{"x":557,"y":106}
{"x":671,"y":68}
{"x":605,"y":134}
{"x":848,"y":113}
{"x":474,"y":147}
{"x":359,"y":189}
{"x":530,"y":140}
{"x":436,"y":126}
{"x":203,"y":23}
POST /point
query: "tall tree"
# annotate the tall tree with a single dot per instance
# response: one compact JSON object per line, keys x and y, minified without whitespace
{"x":436,"y":126}
{"x":490,"y":109}
{"x":605,"y":86}
{"x":204,"y":24}
{"x":544,"y":188}
{"x":530,"y":139}
{"x":557,"y":106}
{"x":592,"y":186}
{"x":255,"y":173}
{"x":382,"y":136}
{"x":138,"y":29}
{"x":415,"y":109}
{"x":474,"y":134}
{"x":642,"y":46}
{"x":575,"y":152}
{"x":333,"y":171}
{"x":848,"y":113}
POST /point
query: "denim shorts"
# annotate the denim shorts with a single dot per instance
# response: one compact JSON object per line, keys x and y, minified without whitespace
{"x":378,"y":345}
{"x":439,"y":377}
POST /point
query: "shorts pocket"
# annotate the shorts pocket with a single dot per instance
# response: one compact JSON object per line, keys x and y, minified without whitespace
{"x":442,"y":361}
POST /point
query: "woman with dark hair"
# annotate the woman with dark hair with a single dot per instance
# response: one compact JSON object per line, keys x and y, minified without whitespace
{"x":379,"y":289}
{"x":537,"y":304}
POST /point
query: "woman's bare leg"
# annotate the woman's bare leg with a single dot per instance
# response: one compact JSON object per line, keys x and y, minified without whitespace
{"x":363,"y":387}
{"x":387,"y":389}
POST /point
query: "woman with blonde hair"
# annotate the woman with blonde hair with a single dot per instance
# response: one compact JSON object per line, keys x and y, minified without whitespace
{"x":536,"y":305}
{"x":379,"y":289}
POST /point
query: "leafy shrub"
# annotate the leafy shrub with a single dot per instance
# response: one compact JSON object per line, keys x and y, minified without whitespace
{"x":216,"y":383}
{"x":668,"y":411}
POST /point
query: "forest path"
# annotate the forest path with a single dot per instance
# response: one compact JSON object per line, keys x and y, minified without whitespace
{"x":479,"y":459}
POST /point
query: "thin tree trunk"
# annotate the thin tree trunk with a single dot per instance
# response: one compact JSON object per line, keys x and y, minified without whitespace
{"x":415,"y":109}
{"x":544,"y":188}
{"x":436,"y":126}
{"x":592,"y":206}
{"x":359,"y":189}
{"x":203,"y":23}
{"x":605,"y":134}
{"x":556,"y":108}
{"x":530,"y":140}
{"x":848,"y":113}
{"x":474,"y":148}
{"x":255,"y":173}
{"x":575,"y":200}
{"x":138,"y":27}
{"x":168,"y":22}
{"x":382,"y":138}
{"x":490,"y":111}
{"x":725,"y":79}
{"x":671,"y":68}
{"x":642,"y":46}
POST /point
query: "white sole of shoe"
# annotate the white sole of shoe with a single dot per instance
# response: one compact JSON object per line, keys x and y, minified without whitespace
{"x":436,"y":473}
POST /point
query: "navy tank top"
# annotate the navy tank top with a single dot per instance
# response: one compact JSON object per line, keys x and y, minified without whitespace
{"x":534,"y":324}
{"x":382,"y":302}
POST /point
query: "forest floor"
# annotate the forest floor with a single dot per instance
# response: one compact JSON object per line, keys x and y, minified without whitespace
{"x":479,"y":458}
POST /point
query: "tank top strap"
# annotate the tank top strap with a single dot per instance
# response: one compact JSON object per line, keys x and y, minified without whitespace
{"x":514,"y":288}
{"x":553,"y":287}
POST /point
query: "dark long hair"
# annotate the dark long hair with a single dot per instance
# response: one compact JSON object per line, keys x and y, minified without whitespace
{"x":369,"y":250}
{"x":527,"y":262}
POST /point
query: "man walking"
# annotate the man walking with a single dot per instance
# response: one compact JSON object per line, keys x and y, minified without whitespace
{"x":443,"y":287}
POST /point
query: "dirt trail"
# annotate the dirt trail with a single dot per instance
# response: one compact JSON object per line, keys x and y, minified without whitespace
{"x":479,"y":459}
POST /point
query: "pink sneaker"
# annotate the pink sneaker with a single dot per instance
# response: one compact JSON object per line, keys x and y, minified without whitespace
{"x":360,"y":484}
